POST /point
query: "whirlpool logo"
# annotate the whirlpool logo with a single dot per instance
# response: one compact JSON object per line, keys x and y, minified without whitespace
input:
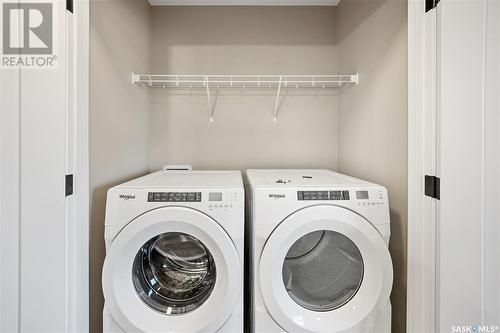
{"x":126,"y":196}
{"x":276,"y":196}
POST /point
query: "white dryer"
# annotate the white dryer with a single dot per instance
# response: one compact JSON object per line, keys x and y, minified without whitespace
{"x":174,"y":253}
{"x":320,"y":253}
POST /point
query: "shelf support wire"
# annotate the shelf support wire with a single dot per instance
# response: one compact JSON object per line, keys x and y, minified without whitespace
{"x":277,"y":101}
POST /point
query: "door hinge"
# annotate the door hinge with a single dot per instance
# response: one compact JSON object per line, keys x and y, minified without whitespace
{"x":430,"y":4}
{"x":69,"y":5}
{"x":69,"y":185}
{"x":433,"y":187}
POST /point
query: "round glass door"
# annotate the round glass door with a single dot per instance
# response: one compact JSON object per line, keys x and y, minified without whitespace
{"x":322,"y":270}
{"x":174,"y":273}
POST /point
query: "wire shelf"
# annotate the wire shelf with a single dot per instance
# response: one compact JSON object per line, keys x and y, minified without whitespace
{"x":321,"y":81}
{"x":278,"y":82}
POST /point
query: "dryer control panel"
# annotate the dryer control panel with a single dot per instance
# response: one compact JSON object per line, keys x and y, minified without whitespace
{"x":358,"y":196}
{"x":323,"y":195}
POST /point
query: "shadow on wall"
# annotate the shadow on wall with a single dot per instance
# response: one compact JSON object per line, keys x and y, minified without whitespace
{"x":398,"y":256}
{"x":371,"y":39}
{"x":246,"y":25}
{"x":355,"y":16}
{"x":120,"y":42}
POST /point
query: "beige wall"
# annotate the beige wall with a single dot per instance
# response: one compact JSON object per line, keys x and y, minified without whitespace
{"x":120,"y":43}
{"x":244,"y":40}
{"x":373,"y":116}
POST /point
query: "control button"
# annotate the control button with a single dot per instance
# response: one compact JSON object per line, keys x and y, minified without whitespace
{"x":345,"y":195}
{"x":335,"y":195}
{"x":313,"y":195}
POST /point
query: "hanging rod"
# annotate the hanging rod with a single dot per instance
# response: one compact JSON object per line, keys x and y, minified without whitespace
{"x":227,"y":81}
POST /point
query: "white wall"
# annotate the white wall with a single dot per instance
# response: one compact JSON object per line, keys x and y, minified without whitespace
{"x":372,"y":119}
{"x":120,"y":42}
{"x":244,"y":40}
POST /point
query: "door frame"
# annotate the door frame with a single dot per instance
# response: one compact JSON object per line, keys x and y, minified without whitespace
{"x":81,"y":174}
{"x":422,"y":143}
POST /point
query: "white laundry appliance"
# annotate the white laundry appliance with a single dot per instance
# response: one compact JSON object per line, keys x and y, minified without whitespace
{"x":174,"y":253}
{"x":320,"y":254}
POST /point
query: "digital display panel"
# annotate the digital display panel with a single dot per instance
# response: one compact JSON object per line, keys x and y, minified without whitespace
{"x":215,"y":196}
{"x":362,"y":195}
{"x":174,"y":196}
{"x":323,"y":195}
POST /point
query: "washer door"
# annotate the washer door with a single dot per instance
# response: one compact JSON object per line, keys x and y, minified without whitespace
{"x":324,"y":269}
{"x":173,"y":269}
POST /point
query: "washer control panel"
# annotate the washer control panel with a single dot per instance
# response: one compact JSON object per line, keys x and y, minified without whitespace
{"x":222,"y":200}
{"x":323,"y":195}
{"x":174,"y":196}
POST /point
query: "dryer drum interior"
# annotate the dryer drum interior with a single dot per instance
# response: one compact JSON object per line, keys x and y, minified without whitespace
{"x":323,"y":270}
{"x":174,"y":273}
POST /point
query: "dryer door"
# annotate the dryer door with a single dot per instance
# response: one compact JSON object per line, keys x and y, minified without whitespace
{"x":324,"y":269}
{"x":172,"y":269}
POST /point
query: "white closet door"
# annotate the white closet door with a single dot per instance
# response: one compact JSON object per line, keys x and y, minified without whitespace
{"x":468,"y":164}
{"x":9,"y":198}
{"x":41,"y":244}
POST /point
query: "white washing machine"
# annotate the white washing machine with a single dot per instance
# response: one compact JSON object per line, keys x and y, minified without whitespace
{"x":174,"y":253}
{"x":320,"y":253}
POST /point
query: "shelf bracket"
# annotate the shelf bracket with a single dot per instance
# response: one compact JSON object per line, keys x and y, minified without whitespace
{"x":276,"y":105}
{"x":210,"y":107}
